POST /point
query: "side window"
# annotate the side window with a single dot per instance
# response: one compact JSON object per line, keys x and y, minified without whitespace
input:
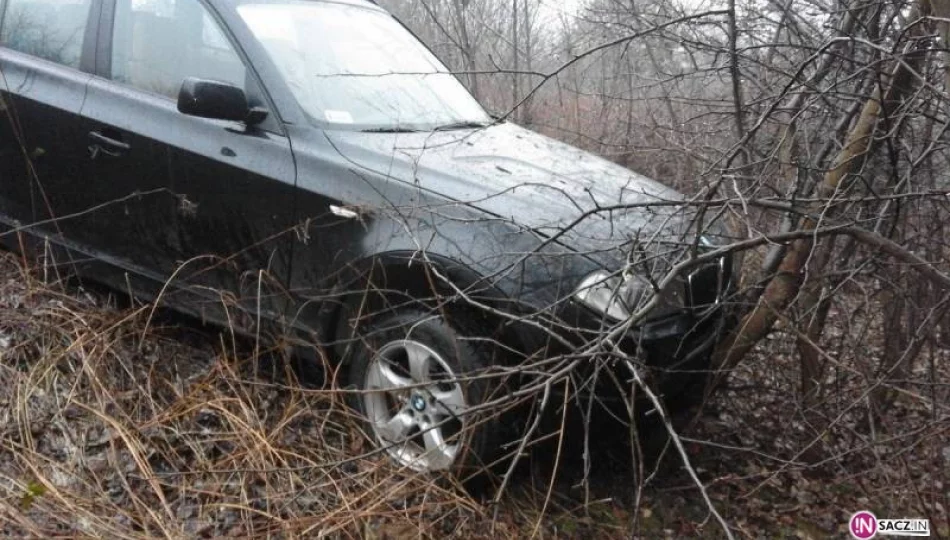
{"x":156,"y":44}
{"x":50,"y":29}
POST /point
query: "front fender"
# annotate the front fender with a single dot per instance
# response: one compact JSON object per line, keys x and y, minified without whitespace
{"x":488,"y":260}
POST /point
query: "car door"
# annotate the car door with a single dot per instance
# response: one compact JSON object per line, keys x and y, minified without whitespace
{"x":46,"y":56}
{"x":204,"y":202}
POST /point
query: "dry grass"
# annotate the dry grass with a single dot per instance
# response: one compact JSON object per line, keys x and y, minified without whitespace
{"x":108,"y":434}
{"x":186,"y":433}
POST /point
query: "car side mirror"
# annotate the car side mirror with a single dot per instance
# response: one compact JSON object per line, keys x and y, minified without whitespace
{"x":205,"y":98}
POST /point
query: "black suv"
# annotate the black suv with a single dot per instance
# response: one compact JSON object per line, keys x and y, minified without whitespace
{"x":309,"y":167}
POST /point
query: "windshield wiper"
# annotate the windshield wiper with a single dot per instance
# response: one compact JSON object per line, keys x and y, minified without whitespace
{"x":390,"y":130}
{"x":462,"y":125}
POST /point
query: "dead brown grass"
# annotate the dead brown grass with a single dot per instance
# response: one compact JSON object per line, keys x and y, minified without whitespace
{"x":187,"y":433}
{"x":107,"y":434}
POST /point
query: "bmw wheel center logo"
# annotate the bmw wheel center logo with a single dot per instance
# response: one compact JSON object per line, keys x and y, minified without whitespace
{"x":418,"y":403}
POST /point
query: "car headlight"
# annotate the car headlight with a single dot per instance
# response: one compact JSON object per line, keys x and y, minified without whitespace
{"x":619,"y":296}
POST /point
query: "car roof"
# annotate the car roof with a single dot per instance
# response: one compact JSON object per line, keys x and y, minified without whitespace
{"x":364,"y":3}
{"x":361,"y":3}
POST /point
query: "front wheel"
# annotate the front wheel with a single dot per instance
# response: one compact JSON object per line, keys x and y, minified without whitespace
{"x":421,"y":379}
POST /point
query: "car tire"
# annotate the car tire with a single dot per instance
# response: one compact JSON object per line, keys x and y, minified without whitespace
{"x":418,"y":374}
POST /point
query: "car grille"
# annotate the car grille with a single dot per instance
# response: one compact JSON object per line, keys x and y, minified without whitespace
{"x":707,"y":284}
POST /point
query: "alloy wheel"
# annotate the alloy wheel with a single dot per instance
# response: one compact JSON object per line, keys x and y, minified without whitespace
{"x":415,"y":405}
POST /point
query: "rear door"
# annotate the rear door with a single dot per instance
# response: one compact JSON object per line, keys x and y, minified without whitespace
{"x":205,"y":202}
{"x":46,"y":56}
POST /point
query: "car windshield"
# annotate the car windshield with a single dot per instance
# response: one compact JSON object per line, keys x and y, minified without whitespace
{"x":359,"y":69}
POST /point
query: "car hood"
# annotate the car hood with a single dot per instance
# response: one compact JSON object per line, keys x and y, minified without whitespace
{"x":532,"y":180}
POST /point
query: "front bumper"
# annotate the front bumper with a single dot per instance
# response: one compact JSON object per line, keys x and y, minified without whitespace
{"x":673,"y":353}
{"x":675,"y":350}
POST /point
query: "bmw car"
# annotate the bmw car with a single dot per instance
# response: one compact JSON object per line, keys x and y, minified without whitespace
{"x":308,"y":170}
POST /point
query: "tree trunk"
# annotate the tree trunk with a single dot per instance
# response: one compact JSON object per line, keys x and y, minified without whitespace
{"x":515,"y":77}
{"x":860,"y":143}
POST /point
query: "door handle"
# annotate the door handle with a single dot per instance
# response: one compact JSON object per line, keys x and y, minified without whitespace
{"x":106,"y":145}
{"x":343,"y":212}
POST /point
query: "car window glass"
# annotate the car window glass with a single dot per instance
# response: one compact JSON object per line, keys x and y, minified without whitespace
{"x":158,"y":43}
{"x":356,"y":68}
{"x":50,"y":29}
